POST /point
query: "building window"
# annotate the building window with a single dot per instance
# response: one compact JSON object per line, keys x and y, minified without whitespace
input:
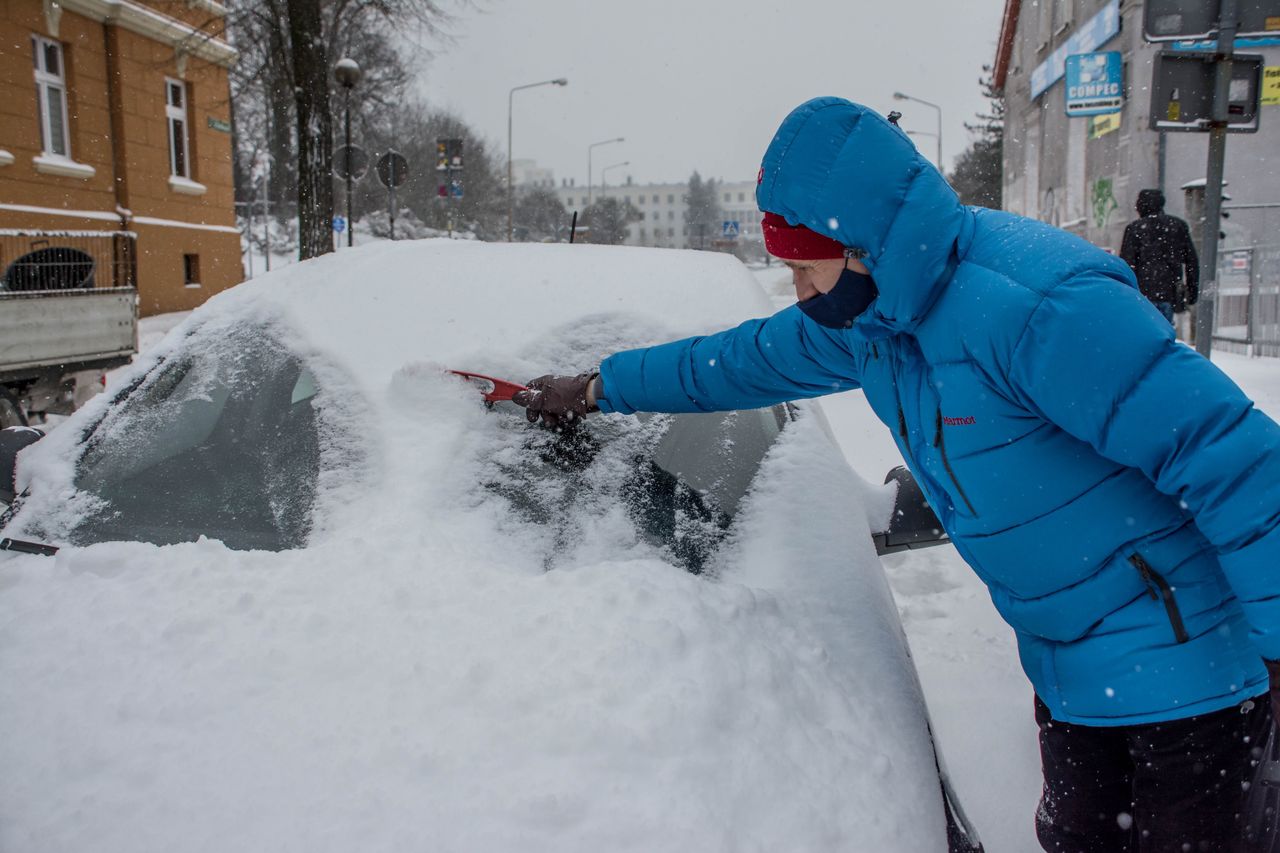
{"x":655,"y":199}
{"x":175,"y":112}
{"x":742,"y":197}
{"x":671,"y":232}
{"x":51,"y":96}
{"x":671,"y":199}
{"x":568,"y":202}
{"x":191,"y":270}
{"x":671,"y":214}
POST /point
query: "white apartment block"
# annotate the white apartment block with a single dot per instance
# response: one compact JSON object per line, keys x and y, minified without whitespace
{"x":664,"y":209}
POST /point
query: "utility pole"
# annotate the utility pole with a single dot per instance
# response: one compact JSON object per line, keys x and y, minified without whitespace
{"x":1213,"y":177}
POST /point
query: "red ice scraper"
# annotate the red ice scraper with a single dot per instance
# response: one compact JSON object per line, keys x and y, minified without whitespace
{"x":494,"y":390}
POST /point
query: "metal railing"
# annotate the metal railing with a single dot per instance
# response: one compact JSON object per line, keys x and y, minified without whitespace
{"x":1247,"y":309}
{"x":32,"y":260}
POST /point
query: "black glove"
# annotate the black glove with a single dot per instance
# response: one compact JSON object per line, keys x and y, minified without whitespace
{"x":557,"y":400}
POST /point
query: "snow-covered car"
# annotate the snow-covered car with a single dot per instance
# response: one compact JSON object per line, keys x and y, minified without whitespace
{"x":310,"y":593}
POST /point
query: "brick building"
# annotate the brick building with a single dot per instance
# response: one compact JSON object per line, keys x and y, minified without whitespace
{"x":115,"y":115}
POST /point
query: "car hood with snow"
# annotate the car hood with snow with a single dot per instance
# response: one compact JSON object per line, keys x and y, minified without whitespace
{"x":414,"y":622}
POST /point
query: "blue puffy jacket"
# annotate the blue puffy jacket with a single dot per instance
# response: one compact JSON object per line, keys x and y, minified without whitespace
{"x":1117,"y":493}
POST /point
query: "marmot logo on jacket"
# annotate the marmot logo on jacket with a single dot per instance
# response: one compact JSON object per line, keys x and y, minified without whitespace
{"x":965,"y":421}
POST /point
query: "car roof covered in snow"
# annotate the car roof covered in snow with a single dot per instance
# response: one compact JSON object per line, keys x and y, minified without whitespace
{"x":462,"y":302}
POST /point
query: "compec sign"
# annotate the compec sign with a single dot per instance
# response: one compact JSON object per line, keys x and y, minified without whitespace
{"x":1095,"y":83}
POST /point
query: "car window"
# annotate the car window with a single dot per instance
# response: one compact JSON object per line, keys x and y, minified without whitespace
{"x":220,"y":440}
{"x":681,"y":478}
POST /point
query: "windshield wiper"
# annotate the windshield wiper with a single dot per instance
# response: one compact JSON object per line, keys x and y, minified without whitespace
{"x":24,"y":547}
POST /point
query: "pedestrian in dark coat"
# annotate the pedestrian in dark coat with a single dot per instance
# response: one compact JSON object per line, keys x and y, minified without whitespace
{"x":1159,"y":249}
{"x":1116,"y":492}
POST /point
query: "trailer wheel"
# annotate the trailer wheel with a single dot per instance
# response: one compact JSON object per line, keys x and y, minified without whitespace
{"x":11,"y":413}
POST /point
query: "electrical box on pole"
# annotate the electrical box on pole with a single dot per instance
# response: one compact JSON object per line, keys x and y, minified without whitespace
{"x":1182,"y":89}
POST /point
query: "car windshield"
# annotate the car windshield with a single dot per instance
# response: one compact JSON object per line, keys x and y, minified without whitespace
{"x":681,"y":478}
{"x":219,"y":440}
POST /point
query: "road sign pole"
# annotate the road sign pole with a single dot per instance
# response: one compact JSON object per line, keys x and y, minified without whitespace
{"x":1213,"y":178}
{"x":347,"y":166}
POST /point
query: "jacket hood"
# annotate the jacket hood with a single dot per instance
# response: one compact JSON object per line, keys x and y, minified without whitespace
{"x":1150,"y":202}
{"x":842,"y":170}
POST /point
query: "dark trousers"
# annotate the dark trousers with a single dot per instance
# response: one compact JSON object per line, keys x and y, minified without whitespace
{"x":1172,"y":786}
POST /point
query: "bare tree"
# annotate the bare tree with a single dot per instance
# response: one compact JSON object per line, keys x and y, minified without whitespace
{"x":609,"y":218}
{"x":978,"y":173}
{"x":315,"y":129}
{"x":285,"y":96}
{"x":539,"y":214}
{"x":704,"y":211}
{"x":482,"y":208}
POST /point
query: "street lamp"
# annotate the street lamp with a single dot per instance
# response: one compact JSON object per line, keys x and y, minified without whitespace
{"x":589,"y":147}
{"x":347,"y":73}
{"x":899,"y":96}
{"x":511,"y":199}
{"x":605,"y":171}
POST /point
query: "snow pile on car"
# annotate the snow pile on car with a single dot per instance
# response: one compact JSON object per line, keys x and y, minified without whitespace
{"x":437,"y":670}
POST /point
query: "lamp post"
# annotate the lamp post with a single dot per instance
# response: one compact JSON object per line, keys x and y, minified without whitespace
{"x":511,"y":198}
{"x":605,"y":171}
{"x":899,"y":96}
{"x":347,"y":73}
{"x":589,"y":147}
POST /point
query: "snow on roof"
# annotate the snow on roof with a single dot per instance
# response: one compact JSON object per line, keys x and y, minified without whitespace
{"x":377,"y":307}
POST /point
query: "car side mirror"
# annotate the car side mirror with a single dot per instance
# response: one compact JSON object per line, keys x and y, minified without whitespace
{"x":12,"y":440}
{"x":913,"y":523}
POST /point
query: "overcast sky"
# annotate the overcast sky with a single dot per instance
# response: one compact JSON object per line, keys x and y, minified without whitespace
{"x":702,"y":84}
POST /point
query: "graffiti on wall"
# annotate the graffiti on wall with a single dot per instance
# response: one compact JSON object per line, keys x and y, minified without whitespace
{"x":1104,"y":201}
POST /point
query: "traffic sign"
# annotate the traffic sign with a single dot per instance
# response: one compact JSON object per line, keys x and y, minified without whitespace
{"x":393,"y":169}
{"x":339,"y":224}
{"x":352,"y":160}
{"x":448,"y":154}
{"x":729,"y":229}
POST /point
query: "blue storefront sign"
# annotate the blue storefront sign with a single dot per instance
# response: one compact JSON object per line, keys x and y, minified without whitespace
{"x":1095,"y":84}
{"x":1093,"y":34}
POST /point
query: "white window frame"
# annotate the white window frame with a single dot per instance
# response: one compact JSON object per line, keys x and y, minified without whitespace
{"x":51,"y":86}
{"x":177,"y":112}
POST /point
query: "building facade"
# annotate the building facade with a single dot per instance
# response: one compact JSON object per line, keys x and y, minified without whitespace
{"x":664,"y":209}
{"x":1083,"y":174}
{"x":115,"y":115}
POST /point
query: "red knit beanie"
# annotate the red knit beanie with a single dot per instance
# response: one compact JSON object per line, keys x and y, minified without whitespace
{"x":797,"y":243}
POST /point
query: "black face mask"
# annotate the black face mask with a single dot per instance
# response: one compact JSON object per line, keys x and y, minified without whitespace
{"x":839,"y":307}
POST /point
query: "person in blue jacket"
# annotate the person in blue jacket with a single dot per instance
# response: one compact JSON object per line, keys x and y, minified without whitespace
{"x":1117,"y":493}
